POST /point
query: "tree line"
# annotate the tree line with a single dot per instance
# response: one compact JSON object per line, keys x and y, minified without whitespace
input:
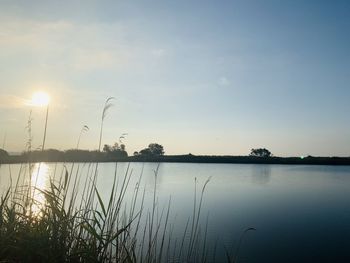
{"x":154,"y":153}
{"x":109,"y":153}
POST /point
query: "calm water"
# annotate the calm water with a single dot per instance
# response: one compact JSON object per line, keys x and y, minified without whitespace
{"x":301,"y":213}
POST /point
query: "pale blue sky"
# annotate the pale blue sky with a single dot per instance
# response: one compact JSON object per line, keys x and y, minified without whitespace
{"x":206,"y":77}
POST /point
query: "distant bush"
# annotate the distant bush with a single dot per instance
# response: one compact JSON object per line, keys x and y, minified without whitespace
{"x":260,"y":152}
{"x":3,"y":154}
{"x":73,"y":155}
{"x":116,"y":150}
{"x":154,"y":149}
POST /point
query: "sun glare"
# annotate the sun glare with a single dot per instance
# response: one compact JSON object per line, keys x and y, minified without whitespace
{"x":39,"y":180}
{"x":40,"y":99}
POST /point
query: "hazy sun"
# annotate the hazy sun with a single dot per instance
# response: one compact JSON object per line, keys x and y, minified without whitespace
{"x":40,"y":99}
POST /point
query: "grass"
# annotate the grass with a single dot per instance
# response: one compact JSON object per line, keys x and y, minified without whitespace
{"x":58,"y":228}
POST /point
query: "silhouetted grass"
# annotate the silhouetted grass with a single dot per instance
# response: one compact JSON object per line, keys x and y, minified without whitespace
{"x":55,"y":228}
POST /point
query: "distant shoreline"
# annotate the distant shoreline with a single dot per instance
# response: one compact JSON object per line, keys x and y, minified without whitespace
{"x":310,"y":160}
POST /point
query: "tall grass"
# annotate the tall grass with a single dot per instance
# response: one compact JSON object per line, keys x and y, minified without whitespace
{"x":58,"y":228}
{"x":107,"y":106}
{"x":85,"y":128}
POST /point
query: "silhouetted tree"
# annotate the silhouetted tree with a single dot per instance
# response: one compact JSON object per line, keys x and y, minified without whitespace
{"x":145,"y":152}
{"x":116,"y":150}
{"x":154,"y":149}
{"x":260,"y":152}
{"x":107,"y":148}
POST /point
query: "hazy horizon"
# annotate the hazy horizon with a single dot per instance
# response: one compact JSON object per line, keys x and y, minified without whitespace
{"x":200,"y":77}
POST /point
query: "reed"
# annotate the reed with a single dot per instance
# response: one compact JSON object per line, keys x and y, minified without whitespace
{"x":55,"y":228}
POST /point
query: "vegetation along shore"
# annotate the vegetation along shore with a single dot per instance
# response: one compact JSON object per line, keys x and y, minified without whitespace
{"x":52,"y":155}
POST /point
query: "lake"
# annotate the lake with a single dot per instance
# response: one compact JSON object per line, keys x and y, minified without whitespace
{"x":300,"y":213}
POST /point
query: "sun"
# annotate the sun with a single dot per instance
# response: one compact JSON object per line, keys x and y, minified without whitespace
{"x":40,"y":99}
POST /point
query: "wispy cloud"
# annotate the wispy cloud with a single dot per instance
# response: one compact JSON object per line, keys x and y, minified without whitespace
{"x":12,"y":101}
{"x":65,"y":44}
{"x":95,"y":59}
{"x":29,"y":34}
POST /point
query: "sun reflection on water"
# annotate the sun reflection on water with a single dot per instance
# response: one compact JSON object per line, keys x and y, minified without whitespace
{"x":40,"y":182}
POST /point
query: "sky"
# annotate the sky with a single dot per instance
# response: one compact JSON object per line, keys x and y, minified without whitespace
{"x":201,"y":77}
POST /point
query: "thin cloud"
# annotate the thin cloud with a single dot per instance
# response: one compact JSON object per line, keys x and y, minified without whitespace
{"x":66,"y":44}
{"x":12,"y":102}
{"x":97,"y":59}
